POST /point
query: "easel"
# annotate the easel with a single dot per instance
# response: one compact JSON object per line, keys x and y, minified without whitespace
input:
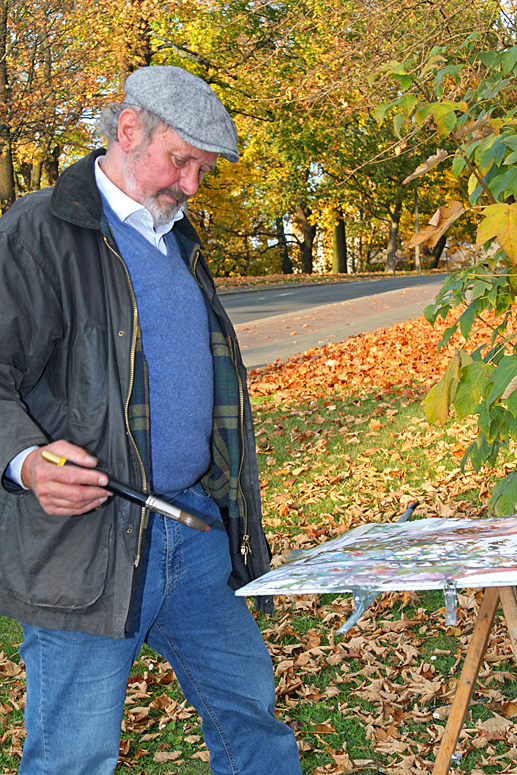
{"x":471,"y":667}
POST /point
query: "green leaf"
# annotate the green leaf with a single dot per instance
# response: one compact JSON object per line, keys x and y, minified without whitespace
{"x":380,"y":111}
{"x":458,"y":165}
{"x":474,"y":379}
{"x":422,"y":113}
{"x":479,"y":452}
{"x":466,"y":320}
{"x":397,"y":123}
{"x":445,"y":119}
{"x":490,"y":152}
{"x":491,"y":58}
{"x":440,"y":397}
{"x":408,"y":102}
{"x":504,"y":496}
{"x":484,"y":420}
{"x":491,"y":88}
{"x":479,"y":288}
{"x":509,"y":60}
{"x":433,"y":311}
{"x":510,"y":141}
{"x":511,"y":158}
{"x":504,"y":183}
{"x":504,"y":302}
{"x":501,"y":378}
{"x":406,"y":81}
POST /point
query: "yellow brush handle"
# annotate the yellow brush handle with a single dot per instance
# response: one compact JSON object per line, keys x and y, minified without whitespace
{"x":51,"y":458}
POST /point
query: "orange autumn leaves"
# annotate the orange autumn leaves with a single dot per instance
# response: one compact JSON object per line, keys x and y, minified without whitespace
{"x":399,"y":355}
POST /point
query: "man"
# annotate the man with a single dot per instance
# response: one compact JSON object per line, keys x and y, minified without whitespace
{"x":115,"y":349}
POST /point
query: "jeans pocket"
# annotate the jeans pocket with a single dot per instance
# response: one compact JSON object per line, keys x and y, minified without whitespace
{"x":199,"y":491}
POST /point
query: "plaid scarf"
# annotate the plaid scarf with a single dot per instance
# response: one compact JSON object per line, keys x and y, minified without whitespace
{"x":222,"y":480}
{"x":138,"y":410}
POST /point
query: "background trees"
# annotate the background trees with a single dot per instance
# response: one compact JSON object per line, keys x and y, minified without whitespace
{"x":320,"y":181}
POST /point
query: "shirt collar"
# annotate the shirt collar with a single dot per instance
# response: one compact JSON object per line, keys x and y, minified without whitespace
{"x":122,"y":204}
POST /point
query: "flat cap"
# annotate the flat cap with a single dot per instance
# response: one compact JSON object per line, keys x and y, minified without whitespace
{"x":187,"y":104}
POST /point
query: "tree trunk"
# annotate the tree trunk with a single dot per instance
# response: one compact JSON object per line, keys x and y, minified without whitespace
{"x":339,"y":251}
{"x":308,"y":230}
{"x":137,"y":45}
{"x":418,"y":264}
{"x":52,"y":164}
{"x":36,"y":168}
{"x":7,"y":193}
{"x":287,"y":266}
{"x":433,"y":255}
{"x":393,"y":238}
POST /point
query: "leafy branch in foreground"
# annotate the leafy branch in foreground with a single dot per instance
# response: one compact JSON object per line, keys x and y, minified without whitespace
{"x":466,"y":97}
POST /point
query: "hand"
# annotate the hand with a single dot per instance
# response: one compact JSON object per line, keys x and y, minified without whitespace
{"x":64,"y":490}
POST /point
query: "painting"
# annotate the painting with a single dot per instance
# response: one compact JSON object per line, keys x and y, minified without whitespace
{"x":425,"y":554}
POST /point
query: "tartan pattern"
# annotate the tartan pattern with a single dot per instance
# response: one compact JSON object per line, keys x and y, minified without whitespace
{"x":222,"y":481}
{"x":138,"y":410}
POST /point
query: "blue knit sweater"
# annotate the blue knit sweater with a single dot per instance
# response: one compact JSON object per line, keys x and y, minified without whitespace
{"x":176,"y":343}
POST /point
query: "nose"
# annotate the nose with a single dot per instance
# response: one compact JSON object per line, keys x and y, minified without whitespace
{"x":190,"y":179}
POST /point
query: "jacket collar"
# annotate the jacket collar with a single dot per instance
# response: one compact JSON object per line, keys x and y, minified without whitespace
{"x":77,"y":199}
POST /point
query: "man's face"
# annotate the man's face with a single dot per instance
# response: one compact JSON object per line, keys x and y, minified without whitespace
{"x":165,"y":173}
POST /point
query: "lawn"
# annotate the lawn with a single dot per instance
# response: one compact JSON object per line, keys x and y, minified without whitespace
{"x":342,"y":440}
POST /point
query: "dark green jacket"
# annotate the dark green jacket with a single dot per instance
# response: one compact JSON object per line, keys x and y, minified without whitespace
{"x":67,"y":369}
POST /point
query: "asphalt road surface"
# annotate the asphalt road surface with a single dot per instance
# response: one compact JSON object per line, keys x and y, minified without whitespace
{"x":280,"y":322}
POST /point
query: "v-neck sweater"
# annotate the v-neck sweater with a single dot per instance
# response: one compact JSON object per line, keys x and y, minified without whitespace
{"x":176,"y":343}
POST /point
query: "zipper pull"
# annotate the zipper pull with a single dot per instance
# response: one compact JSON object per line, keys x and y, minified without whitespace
{"x":246,"y":548}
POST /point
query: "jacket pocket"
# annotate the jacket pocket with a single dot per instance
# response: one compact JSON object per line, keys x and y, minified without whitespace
{"x":57,"y":562}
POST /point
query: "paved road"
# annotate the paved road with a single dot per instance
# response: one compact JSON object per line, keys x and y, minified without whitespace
{"x":256,"y":305}
{"x":307,"y":320}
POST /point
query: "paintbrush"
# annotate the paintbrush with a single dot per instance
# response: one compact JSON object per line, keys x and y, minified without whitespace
{"x":130,"y":493}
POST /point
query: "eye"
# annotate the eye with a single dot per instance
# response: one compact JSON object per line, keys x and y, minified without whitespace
{"x":178,"y":161}
{"x":205,"y":171}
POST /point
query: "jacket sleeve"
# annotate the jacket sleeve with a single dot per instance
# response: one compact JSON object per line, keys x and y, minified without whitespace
{"x":31,"y":326}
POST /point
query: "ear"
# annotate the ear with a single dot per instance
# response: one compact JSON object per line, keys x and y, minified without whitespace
{"x":130,"y":131}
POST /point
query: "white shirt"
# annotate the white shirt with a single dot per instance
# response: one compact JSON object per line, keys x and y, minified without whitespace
{"x":137,"y":216}
{"x":131,"y":212}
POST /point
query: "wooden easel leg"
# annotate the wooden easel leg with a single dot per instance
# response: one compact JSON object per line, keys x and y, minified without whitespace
{"x":466,"y":683}
{"x":508,"y":598}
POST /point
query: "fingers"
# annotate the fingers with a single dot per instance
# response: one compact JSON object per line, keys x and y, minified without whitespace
{"x":65,"y":490}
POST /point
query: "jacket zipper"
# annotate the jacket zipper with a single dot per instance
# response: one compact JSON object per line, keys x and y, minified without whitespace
{"x":144,"y":513}
{"x":246,"y":541}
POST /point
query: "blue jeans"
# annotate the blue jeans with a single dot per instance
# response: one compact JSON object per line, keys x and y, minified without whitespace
{"x":76,"y":683}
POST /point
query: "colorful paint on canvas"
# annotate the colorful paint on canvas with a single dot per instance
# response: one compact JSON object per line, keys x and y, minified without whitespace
{"x":424,"y":554}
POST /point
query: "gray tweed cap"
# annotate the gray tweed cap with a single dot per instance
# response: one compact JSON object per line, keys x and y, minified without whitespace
{"x":187,"y":104}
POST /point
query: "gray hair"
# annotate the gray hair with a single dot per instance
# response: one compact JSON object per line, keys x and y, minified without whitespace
{"x":107,"y":123}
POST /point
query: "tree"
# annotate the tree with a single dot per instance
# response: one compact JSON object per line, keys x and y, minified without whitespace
{"x":6,"y":164}
{"x":46,"y":84}
{"x":468,"y":94}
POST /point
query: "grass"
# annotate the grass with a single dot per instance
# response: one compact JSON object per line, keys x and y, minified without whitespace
{"x":376,"y":698}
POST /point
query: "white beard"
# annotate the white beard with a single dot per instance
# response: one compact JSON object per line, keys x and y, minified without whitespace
{"x":163,"y":213}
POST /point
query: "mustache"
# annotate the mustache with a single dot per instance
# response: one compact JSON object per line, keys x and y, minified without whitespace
{"x":175,"y":193}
